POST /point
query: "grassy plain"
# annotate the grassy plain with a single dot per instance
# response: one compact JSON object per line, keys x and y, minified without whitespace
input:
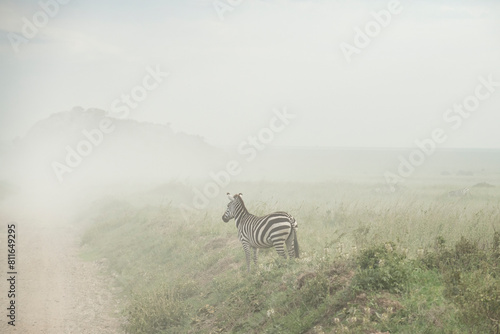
{"x":413,"y":261}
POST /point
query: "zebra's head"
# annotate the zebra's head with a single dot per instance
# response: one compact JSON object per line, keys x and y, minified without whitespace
{"x":231,"y":207}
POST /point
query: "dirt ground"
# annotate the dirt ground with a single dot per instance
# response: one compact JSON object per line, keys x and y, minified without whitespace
{"x":56,"y":291}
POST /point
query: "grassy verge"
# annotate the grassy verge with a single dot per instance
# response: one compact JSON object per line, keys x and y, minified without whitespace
{"x":407,"y":263}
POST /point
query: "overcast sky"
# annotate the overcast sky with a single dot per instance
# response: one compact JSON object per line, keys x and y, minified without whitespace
{"x":228,"y":70}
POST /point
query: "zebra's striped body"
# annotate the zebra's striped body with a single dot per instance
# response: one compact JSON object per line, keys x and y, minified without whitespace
{"x":274,"y":230}
{"x":459,"y":193}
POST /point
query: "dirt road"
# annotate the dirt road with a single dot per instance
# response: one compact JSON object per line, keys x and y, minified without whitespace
{"x":56,"y":292}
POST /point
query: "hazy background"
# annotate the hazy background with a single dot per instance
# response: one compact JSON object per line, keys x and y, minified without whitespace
{"x":85,"y":183}
{"x":226,"y":77}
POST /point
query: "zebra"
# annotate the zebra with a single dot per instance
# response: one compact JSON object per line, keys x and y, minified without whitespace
{"x":274,"y":230}
{"x":459,"y":193}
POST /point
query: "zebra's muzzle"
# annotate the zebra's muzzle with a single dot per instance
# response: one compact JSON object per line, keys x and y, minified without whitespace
{"x":224,"y":219}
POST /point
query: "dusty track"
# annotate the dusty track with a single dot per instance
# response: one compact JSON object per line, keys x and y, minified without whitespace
{"x":56,"y":291}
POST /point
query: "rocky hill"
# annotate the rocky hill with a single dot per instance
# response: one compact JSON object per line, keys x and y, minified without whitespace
{"x":92,"y":147}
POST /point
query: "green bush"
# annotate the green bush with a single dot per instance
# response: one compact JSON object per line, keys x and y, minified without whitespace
{"x":382,"y":268}
{"x":478,"y":298}
{"x":472,"y":280}
{"x":315,"y":290}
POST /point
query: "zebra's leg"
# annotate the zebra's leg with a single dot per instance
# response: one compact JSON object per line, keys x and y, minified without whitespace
{"x":290,"y":245}
{"x":279,"y":245}
{"x":246,"y":248}
{"x":255,"y":252}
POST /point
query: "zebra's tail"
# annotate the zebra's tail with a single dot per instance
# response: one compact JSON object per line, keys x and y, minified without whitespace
{"x":295,"y":244}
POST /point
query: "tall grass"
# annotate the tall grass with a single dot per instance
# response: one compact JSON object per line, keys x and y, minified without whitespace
{"x":369,"y":262}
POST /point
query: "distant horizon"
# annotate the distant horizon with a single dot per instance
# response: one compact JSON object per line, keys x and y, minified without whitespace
{"x":280,"y":147}
{"x":360,"y":148}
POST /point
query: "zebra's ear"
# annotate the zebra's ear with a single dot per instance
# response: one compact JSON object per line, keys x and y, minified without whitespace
{"x":229,"y":196}
{"x":240,"y":194}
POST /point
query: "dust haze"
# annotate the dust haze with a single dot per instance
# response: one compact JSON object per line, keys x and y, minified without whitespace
{"x":76,"y":157}
{"x":112,"y":101}
{"x":198,"y":96}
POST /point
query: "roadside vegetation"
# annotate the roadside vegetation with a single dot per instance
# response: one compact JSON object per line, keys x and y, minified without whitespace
{"x":414,"y":261}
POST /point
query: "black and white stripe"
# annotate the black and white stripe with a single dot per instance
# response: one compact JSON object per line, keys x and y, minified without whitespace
{"x":459,"y":193}
{"x":274,"y":230}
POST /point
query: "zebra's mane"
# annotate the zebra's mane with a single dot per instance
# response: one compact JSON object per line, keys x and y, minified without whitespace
{"x":238,"y":198}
